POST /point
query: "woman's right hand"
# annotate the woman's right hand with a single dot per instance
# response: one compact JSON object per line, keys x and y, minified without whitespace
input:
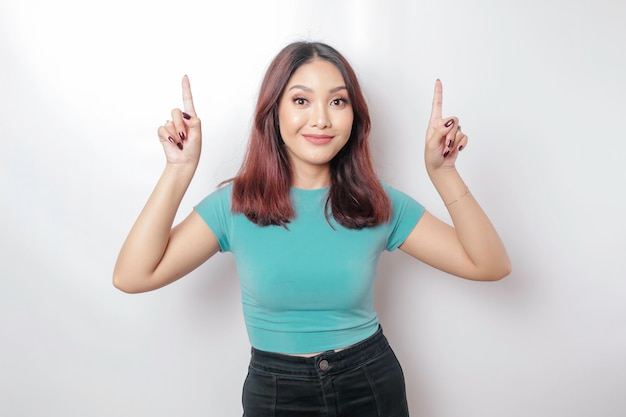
{"x":181,"y":136}
{"x":155,"y":254}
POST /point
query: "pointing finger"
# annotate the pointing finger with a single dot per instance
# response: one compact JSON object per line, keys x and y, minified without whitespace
{"x":437,"y":101}
{"x":188,"y":98}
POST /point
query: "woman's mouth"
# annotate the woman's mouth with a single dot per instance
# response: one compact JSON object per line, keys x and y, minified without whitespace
{"x":317,"y":139}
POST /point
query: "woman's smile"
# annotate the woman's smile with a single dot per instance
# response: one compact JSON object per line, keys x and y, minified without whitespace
{"x":317,"y":139}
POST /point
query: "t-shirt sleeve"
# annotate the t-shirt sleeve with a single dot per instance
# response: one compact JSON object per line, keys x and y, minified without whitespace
{"x":406,"y":212}
{"x":215,"y":211}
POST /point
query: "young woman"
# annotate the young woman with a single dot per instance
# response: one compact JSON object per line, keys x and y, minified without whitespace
{"x":307,"y":219}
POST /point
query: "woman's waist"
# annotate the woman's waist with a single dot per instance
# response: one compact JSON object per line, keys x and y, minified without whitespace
{"x":325,"y":361}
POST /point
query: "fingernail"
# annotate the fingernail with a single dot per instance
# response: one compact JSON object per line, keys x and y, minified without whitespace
{"x":171,"y":139}
{"x":186,"y":116}
{"x":182,"y":135}
{"x":460,"y":148}
{"x":180,"y":146}
{"x":449,"y":123}
{"x":446,"y":153}
{"x":449,"y":143}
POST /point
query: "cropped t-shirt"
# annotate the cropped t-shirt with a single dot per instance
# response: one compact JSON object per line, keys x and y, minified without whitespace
{"x":307,"y":287}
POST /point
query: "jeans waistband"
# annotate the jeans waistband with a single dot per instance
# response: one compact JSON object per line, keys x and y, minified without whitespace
{"x":329,"y":362}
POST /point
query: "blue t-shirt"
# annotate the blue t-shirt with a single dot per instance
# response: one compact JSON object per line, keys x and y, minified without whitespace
{"x":308,"y":287}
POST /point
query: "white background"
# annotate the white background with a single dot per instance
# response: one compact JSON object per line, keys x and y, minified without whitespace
{"x":538,"y":86}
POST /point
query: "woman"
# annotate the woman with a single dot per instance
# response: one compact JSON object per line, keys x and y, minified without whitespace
{"x":306,"y":219}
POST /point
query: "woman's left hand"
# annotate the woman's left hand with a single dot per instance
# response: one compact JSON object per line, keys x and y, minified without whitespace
{"x":444,"y":138}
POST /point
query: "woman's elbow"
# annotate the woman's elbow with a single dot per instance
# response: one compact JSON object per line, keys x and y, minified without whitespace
{"x":126,"y":285}
{"x":499,"y":272}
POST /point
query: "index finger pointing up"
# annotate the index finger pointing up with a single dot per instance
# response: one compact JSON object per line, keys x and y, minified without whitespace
{"x":437,"y":101}
{"x":188,"y":98}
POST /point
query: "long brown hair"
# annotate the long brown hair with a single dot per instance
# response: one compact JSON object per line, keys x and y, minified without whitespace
{"x":261,"y":189}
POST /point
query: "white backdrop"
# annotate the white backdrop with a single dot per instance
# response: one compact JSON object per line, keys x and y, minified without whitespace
{"x":538,"y":86}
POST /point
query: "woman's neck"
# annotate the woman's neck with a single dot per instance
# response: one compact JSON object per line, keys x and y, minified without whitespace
{"x":311,"y":179}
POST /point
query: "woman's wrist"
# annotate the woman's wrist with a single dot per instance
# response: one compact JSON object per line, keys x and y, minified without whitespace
{"x":175,"y":180}
{"x":442,"y":173}
{"x":449,"y":185}
{"x":182,"y":170}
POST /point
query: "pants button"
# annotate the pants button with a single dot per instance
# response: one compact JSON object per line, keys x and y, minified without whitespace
{"x":323,"y":365}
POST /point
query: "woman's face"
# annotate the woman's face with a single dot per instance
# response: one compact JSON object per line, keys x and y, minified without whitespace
{"x":315,"y":116}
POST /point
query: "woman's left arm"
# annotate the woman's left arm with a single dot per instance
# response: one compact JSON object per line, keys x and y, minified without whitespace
{"x":472,"y":248}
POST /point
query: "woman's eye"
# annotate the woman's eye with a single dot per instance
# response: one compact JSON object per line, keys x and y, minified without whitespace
{"x":299,"y":101}
{"x":338,"y":102}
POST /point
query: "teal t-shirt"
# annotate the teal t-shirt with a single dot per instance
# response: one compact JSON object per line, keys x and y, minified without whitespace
{"x":308,"y":287}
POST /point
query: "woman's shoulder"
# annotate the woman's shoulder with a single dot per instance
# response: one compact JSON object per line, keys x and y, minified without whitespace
{"x":392,"y":191}
{"x":220,"y":196}
{"x":399,"y":198}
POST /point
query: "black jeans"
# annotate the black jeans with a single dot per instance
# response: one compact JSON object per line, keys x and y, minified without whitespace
{"x":364,"y":380}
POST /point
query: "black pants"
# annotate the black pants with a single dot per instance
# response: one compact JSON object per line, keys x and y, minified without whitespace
{"x":364,"y":380}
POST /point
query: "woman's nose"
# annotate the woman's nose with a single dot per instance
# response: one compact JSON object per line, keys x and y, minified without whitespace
{"x":320,"y":117}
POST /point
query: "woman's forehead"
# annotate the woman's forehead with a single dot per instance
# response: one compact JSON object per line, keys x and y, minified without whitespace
{"x":317,"y":74}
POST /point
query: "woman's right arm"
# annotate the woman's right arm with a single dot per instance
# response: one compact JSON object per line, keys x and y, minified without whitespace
{"x":155,"y":254}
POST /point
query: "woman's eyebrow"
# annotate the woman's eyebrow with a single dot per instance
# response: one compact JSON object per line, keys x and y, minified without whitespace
{"x":310,"y":90}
